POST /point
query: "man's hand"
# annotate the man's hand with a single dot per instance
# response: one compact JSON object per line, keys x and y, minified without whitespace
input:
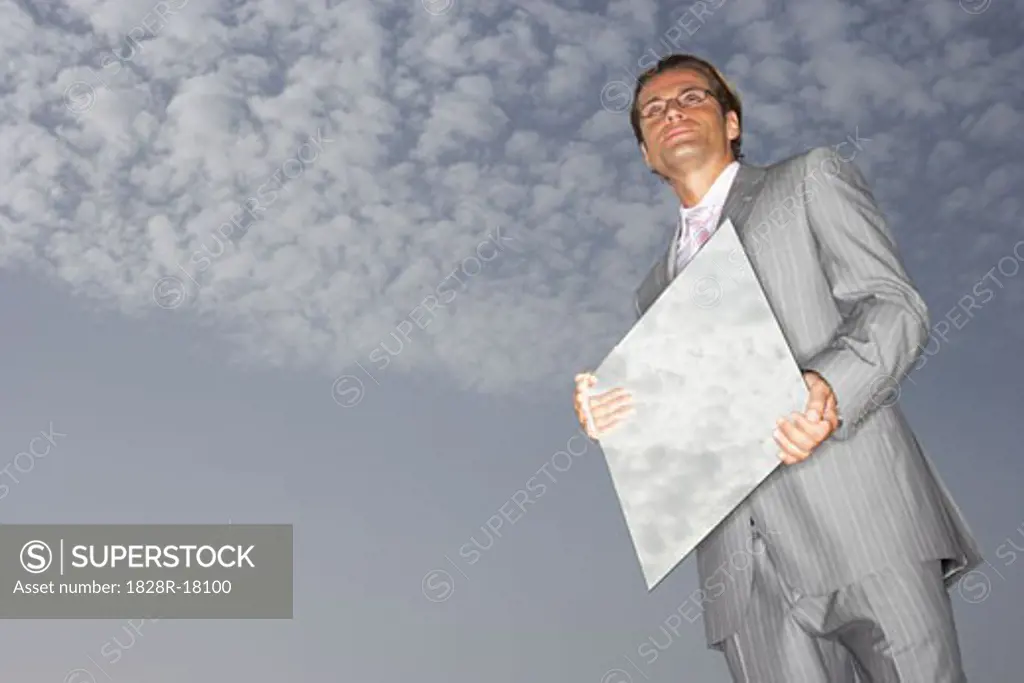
{"x":608,"y":408}
{"x":799,"y":435}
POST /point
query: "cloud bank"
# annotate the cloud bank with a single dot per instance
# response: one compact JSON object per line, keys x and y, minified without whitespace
{"x":303,"y":179}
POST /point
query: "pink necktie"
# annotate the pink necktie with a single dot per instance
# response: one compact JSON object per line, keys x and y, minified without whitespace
{"x":698,"y":226}
{"x":697,"y":231}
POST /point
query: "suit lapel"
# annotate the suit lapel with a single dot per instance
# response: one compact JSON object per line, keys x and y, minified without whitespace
{"x":740,"y":200}
{"x":669,"y":262}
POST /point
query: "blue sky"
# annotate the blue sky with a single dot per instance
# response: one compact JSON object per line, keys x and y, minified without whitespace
{"x":463,"y":174}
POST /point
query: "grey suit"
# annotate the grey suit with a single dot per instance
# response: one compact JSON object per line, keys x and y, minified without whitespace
{"x":868,"y":499}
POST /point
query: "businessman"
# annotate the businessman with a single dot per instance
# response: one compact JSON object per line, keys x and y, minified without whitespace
{"x":856,"y":539}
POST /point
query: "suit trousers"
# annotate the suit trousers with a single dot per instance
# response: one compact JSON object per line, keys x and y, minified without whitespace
{"x":895,"y":626}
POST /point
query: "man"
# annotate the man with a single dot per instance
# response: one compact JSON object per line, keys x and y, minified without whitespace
{"x":856,"y":539}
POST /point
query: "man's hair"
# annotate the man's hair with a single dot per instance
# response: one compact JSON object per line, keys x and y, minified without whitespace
{"x":719,"y":87}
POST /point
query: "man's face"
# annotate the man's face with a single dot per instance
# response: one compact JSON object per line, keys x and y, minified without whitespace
{"x":681,"y":137}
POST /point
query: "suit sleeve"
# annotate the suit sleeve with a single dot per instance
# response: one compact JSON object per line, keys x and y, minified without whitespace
{"x":884,"y":319}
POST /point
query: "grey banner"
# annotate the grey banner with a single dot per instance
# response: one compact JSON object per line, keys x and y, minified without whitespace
{"x":146,"y":571}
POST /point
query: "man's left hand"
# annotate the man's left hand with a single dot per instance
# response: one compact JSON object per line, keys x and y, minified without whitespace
{"x":798,"y":435}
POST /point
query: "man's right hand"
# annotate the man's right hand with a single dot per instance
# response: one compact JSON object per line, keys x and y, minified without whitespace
{"x":608,"y":408}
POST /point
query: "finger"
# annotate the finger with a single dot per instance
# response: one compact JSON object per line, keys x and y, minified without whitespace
{"x":608,"y":429}
{"x":611,"y":394}
{"x":587,"y":421}
{"x":787,"y":447}
{"x":809,"y":435}
{"x":805,"y":426}
{"x":603,"y":425}
{"x":804,"y":435}
{"x":585,"y":424}
{"x":583,"y":390}
{"x":582,"y":393}
{"x":608,"y":402}
{"x":606,"y":410}
{"x":788,"y":459}
{"x":786,"y":444}
{"x":582,"y":398}
{"x":581,"y":402}
{"x":788,"y":453}
{"x":619,"y":409}
{"x":585,"y":380}
{"x":603,"y":413}
{"x":613,"y":417}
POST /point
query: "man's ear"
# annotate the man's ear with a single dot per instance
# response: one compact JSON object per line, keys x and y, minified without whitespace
{"x":643,"y":152}
{"x":732,"y":126}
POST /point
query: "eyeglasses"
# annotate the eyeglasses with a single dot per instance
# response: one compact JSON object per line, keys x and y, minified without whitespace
{"x":691,"y":97}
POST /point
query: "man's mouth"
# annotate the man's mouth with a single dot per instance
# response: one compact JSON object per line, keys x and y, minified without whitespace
{"x":675,"y":132}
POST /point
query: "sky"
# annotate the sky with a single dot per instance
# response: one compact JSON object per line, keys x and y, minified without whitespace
{"x":440,"y":216}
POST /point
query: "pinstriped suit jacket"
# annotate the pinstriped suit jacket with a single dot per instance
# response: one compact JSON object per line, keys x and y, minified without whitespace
{"x":867,"y":498}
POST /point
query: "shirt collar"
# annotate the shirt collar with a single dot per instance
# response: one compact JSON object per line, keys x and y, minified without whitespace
{"x":716,"y":196}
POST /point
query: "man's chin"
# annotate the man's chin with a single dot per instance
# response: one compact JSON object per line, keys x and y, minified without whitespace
{"x":682,"y":153}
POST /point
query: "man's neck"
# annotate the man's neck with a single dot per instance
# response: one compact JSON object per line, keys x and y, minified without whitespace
{"x":694,"y":183}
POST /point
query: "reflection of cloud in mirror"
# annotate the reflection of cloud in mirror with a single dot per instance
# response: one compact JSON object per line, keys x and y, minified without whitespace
{"x":708,"y":384}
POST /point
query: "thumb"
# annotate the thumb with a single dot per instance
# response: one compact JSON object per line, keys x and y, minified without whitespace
{"x":816,"y":400}
{"x":830,"y":410}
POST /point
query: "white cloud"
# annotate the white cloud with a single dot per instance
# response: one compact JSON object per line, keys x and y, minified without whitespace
{"x":442,"y":128}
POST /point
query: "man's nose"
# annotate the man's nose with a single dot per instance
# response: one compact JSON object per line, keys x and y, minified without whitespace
{"x":675,"y":112}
